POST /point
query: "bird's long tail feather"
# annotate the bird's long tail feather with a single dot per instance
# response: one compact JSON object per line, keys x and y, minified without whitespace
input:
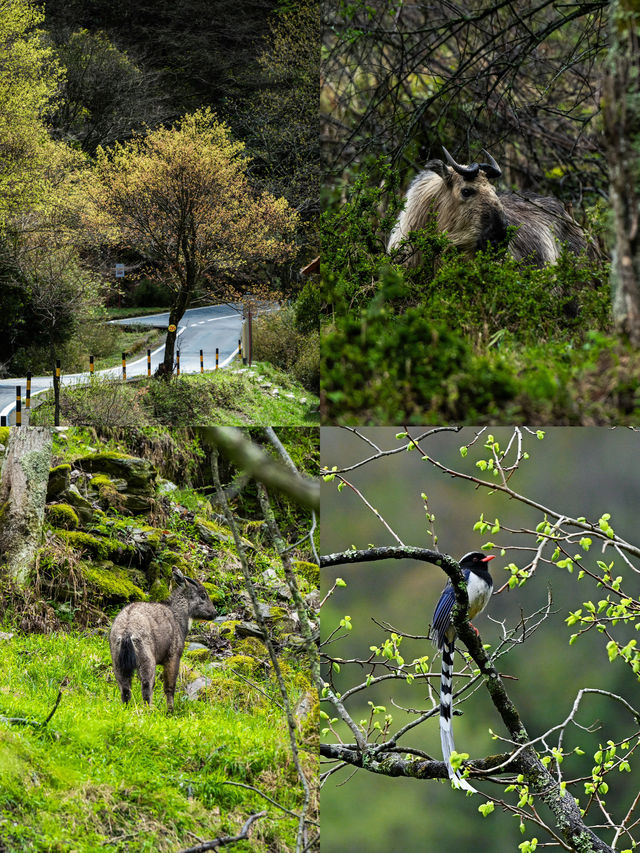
{"x":446,"y":716}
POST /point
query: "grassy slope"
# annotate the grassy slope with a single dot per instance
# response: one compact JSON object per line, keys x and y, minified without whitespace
{"x":132,"y":778}
{"x":230,"y":396}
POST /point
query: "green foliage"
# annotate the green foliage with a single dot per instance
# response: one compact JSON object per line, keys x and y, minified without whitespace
{"x":277,"y":338}
{"x":29,"y":77}
{"x":223,"y":396}
{"x":385,"y":369}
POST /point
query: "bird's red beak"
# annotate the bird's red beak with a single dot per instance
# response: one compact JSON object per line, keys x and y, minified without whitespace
{"x":488,"y":557}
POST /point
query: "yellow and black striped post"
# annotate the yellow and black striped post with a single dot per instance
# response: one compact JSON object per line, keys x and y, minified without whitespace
{"x":148,"y":362}
{"x":3,"y":420}
{"x":201,"y":362}
{"x":124,"y":367}
{"x":178,"y":363}
{"x":27,"y":403}
{"x":18,"y":405}
{"x":217,"y":357}
{"x":239,"y":347}
{"x":58,"y":369}
{"x":91,"y":365}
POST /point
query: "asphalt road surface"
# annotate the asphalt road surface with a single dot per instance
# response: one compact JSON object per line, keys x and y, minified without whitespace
{"x":200,"y":329}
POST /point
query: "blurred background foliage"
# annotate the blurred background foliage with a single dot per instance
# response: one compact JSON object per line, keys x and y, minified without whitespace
{"x":578,"y":472}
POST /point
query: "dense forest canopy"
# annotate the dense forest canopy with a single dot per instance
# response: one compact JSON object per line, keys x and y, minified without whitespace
{"x":522,"y":81}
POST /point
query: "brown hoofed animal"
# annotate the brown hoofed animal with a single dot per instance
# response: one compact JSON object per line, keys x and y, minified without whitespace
{"x":146,"y":635}
{"x":473,"y":214}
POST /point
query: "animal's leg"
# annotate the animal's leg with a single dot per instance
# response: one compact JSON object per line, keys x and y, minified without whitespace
{"x":170,"y":676}
{"x":147,"y":673}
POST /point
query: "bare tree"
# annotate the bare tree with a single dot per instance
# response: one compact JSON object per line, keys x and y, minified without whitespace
{"x":621,"y":115}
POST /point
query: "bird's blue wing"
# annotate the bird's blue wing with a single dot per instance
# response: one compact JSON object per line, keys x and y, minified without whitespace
{"x":442,"y":613}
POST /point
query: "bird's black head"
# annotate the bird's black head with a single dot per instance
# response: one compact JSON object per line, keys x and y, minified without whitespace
{"x":476,"y":561}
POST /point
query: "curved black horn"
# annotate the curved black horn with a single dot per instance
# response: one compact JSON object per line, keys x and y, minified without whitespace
{"x":491,"y":169}
{"x":467,"y":172}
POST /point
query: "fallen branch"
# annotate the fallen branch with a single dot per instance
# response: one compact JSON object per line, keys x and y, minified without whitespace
{"x":22,"y":721}
{"x":225,"y":840}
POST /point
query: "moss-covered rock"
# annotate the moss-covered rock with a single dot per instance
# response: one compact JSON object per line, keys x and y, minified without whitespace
{"x":108,"y":492}
{"x":4,"y":435}
{"x":140,"y":474}
{"x":309,"y":571}
{"x":159,"y":590}
{"x":244,"y":664}
{"x":63,"y":516}
{"x":113,"y":584}
{"x":100,"y":547}
{"x":198,"y":654}
{"x":211,"y":532}
{"x":251,"y":646}
{"x":58,"y":481}
{"x":83,"y":507}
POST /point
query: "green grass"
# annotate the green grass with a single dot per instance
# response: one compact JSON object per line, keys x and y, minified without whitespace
{"x":134,"y":342}
{"x":226,"y":396}
{"x":102,"y":775}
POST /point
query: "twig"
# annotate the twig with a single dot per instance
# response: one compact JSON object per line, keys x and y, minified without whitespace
{"x":225,"y":840}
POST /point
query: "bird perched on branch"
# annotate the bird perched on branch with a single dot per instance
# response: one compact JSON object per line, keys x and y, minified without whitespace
{"x":479,"y":589}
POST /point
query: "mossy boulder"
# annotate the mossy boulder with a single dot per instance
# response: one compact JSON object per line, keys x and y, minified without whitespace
{"x":100,"y":547}
{"x":251,"y":646}
{"x":159,"y":590}
{"x":309,"y":571}
{"x":83,"y":507}
{"x":4,"y":435}
{"x":210,"y":532}
{"x":244,"y":664}
{"x":139,"y":474}
{"x":58,"y":481}
{"x":62,"y":516}
{"x":112,"y":583}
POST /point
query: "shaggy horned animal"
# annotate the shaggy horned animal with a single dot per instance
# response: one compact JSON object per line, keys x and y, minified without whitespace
{"x":473,"y":214}
{"x":144,"y":635}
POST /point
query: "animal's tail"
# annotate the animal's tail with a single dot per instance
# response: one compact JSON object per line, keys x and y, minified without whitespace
{"x":446,"y":716}
{"x":127,"y":661}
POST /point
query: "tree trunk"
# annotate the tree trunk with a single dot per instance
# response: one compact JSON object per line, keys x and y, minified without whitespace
{"x":176,"y":314}
{"x":23,"y":492}
{"x":621,"y":112}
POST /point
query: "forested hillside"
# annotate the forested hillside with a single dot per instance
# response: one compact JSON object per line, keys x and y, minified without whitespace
{"x":208,"y":116}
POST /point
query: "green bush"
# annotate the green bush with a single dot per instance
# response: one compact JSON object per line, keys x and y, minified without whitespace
{"x":277,"y":339}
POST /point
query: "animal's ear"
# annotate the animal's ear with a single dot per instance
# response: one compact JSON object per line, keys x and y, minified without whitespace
{"x":178,"y":577}
{"x":191,"y":581}
{"x":439,"y":168}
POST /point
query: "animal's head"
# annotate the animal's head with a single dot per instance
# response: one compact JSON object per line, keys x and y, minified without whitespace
{"x":199,"y":605}
{"x":465,"y":202}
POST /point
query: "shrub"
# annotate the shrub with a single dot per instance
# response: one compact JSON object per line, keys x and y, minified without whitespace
{"x":277,"y":339}
{"x":100,"y":402}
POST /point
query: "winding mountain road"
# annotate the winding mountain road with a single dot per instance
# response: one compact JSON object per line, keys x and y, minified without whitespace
{"x":200,"y":329}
